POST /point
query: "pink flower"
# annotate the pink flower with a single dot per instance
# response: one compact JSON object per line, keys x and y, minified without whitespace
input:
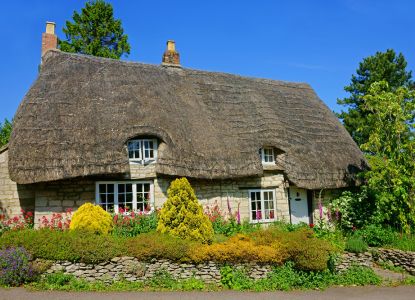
{"x":320,"y":208}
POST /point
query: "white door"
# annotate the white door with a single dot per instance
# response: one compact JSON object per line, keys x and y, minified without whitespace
{"x":299,"y":206}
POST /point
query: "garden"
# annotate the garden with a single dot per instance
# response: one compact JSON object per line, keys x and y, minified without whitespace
{"x":183,"y":246}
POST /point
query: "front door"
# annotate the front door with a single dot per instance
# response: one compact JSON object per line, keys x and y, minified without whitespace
{"x":299,"y":206}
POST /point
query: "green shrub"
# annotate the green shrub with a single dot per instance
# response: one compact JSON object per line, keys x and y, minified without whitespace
{"x":358,"y":275}
{"x":235,"y":279}
{"x":155,"y":245}
{"x":356,"y":244}
{"x":65,"y":245}
{"x":134,"y":224}
{"x":353,"y":209}
{"x":182,"y":215}
{"x":377,"y":236}
{"x":403,"y":242}
{"x":92,"y":218}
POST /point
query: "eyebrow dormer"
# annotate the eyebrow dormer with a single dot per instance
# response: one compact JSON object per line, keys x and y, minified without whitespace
{"x":267,"y":155}
{"x":142,"y":150}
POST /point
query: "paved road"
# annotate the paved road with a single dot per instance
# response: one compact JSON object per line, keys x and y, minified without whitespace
{"x":370,"y":293}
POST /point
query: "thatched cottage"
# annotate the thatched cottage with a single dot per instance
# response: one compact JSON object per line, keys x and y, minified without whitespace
{"x":116,"y":133}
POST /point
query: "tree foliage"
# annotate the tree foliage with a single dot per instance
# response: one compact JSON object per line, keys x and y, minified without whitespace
{"x":5,"y":131}
{"x":94,"y":31}
{"x":182,"y":215}
{"x":383,"y":66}
{"x":390,"y":149}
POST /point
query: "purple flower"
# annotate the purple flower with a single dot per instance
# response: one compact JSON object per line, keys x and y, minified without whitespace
{"x":329,"y":214}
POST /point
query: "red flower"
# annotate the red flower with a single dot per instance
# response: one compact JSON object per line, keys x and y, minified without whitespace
{"x":311,"y":225}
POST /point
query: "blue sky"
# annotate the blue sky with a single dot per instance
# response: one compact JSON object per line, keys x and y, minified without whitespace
{"x":318,"y":42}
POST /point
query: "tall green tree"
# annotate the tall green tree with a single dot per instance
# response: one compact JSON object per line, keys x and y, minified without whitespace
{"x":5,"y":131}
{"x":390,"y":149}
{"x":383,"y":66}
{"x":94,"y":31}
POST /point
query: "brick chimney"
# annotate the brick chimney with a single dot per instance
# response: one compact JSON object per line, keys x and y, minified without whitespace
{"x":171,"y":57}
{"x":49,"y":39}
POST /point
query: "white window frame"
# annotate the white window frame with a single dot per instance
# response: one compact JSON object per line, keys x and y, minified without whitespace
{"x":134,"y":189}
{"x":262,"y":191}
{"x":141,"y":159}
{"x":262,"y":153}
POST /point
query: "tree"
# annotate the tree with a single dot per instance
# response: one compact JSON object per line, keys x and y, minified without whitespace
{"x":95,"y":32}
{"x":182,"y":215}
{"x":5,"y":131}
{"x":390,"y":149}
{"x":383,"y":66}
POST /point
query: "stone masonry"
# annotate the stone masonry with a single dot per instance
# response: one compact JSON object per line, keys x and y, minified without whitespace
{"x":131,"y":269}
{"x":13,"y":197}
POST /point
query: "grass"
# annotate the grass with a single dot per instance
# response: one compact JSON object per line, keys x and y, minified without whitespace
{"x":403,"y":242}
{"x":162,"y":281}
{"x":356,"y":244}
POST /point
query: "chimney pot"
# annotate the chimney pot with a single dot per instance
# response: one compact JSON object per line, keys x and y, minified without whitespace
{"x":171,"y":57}
{"x":171,"y":45}
{"x":49,"y":39}
{"x":50,"y":27}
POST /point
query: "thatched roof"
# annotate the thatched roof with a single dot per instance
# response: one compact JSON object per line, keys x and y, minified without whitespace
{"x":76,"y":118}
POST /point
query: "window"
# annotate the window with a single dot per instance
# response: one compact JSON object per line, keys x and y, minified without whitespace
{"x":142,"y":150}
{"x":262,"y":205}
{"x":267,"y":155}
{"x":125,"y":196}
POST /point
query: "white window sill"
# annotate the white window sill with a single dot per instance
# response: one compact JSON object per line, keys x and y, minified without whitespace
{"x":262,"y":221}
{"x":141,"y":162}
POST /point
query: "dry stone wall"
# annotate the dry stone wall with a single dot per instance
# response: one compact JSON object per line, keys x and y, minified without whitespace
{"x":131,"y":269}
{"x":397,"y":258}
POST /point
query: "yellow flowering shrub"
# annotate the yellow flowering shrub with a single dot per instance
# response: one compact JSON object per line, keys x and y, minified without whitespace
{"x":91,"y":218}
{"x":182,"y":215}
{"x":239,"y":248}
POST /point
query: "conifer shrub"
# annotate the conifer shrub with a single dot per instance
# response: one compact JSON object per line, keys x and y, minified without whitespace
{"x":238,"y":249}
{"x":182,"y":215}
{"x":91,"y":218}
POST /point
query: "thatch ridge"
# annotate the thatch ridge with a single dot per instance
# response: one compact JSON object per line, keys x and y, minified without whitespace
{"x":78,"y":115}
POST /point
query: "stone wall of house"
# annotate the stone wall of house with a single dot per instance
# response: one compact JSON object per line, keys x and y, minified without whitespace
{"x":139,"y":171}
{"x":58,"y":196}
{"x":13,"y":197}
{"x":218,"y":192}
{"x":132,"y":269}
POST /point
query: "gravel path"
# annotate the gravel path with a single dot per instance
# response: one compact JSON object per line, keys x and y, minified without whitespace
{"x":339,"y":293}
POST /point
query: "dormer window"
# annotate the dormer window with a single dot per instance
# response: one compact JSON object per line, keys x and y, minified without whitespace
{"x":267,"y":155}
{"x":142,"y":150}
